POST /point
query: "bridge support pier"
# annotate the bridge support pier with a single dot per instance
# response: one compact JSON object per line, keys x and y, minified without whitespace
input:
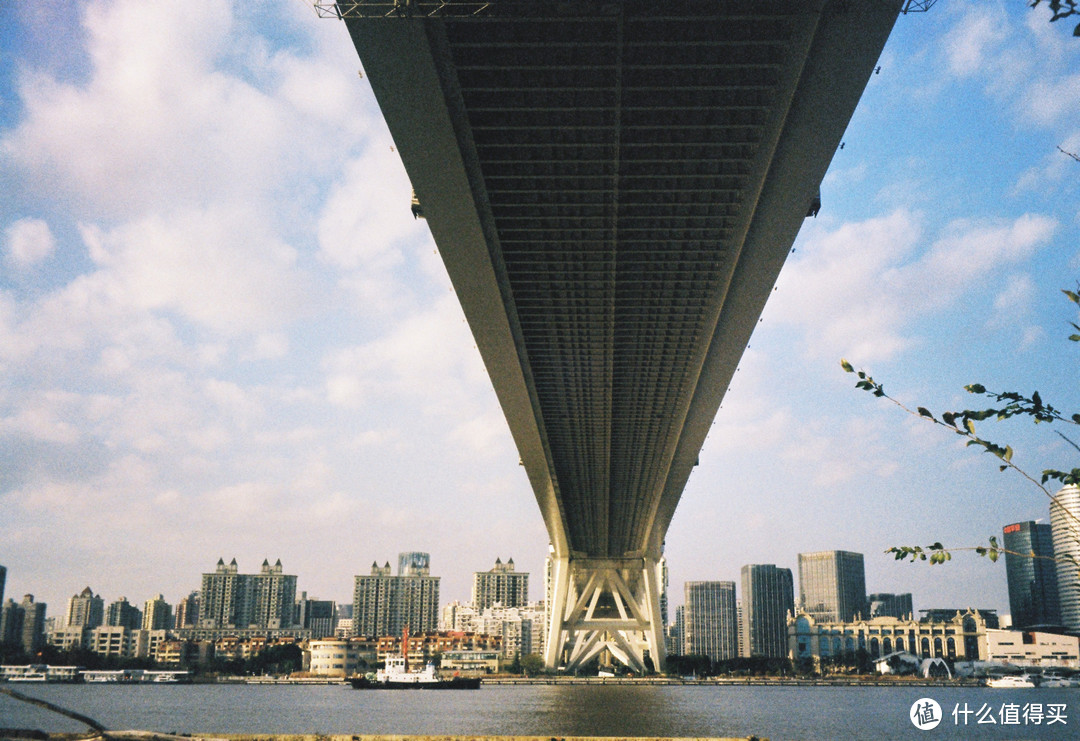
{"x":599,"y":604}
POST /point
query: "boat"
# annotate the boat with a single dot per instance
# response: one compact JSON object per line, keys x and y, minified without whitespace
{"x":1010,"y":681}
{"x":29,"y":677}
{"x":395,"y":675}
{"x":1055,"y":682}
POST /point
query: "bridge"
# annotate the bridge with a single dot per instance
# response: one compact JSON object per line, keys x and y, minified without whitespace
{"x":614,"y":187}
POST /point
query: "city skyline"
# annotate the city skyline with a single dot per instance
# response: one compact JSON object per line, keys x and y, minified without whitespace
{"x":223,"y":333}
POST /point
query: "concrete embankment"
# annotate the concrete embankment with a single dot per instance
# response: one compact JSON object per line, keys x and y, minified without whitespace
{"x":150,"y":736}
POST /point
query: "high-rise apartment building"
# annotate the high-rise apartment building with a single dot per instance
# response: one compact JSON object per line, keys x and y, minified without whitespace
{"x":10,"y":622}
{"x":1033,"y":585}
{"x":521,"y":628}
{"x":832,"y":585}
{"x":886,"y":604}
{"x":673,"y":640}
{"x":1065,"y":527}
{"x":229,"y":599}
{"x":710,"y":620}
{"x":85,"y":610}
{"x":23,"y":623}
{"x":157,"y":614}
{"x":318,"y":616}
{"x":502,"y":585}
{"x":123,"y":614}
{"x":768,"y":595}
{"x":3,"y":581}
{"x":187,"y":611}
{"x":384,"y":605}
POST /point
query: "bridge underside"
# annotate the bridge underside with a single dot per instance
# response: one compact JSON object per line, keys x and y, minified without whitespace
{"x":614,"y":188}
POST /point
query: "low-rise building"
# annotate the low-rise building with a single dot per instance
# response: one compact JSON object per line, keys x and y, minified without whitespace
{"x":110,"y":640}
{"x":68,"y":638}
{"x":332,"y":658}
{"x":424,"y":646}
{"x":961,"y":636}
{"x":471,"y":662}
{"x":1032,"y":648}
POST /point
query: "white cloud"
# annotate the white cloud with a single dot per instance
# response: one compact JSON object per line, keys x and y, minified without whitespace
{"x":971,"y":43}
{"x":170,"y":115}
{"x":365,"y":227}
{"x":855,"y":290}
{"x":45,"y":416}
{"x":218,"y":267}
{"x":427,"y":359}
{"x":28,"y":242}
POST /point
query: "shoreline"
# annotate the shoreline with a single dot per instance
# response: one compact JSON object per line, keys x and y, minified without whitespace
{"x":650,"y":681}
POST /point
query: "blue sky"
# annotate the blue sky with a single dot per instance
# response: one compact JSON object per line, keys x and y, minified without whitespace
{"x":222,"y":334}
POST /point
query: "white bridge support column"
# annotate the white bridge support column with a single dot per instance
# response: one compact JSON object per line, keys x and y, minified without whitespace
{"x":599,"y":604}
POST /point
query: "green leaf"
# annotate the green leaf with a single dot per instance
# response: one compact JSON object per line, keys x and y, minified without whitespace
{"x":975,"y":388}
{"x":924,"y":412}
{"x":969,"y":426}
{"x":846,"y":366}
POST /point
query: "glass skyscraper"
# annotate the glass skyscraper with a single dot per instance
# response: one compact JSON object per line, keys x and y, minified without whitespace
{"x":768,"y":595}
{"x":832,"y":585}
{"x":1033,"y":584}
{"x":710,"y":622}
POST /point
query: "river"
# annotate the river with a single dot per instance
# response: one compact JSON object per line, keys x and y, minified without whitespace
{"x":544,"y":710}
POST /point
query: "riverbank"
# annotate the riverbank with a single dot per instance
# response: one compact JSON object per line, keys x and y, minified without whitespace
{"x":12,"y":735}
{"x":665,"y":681}
{"x":741,"y":681}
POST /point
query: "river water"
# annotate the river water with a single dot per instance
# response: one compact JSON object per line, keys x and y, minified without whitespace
{"x":545,"y":710}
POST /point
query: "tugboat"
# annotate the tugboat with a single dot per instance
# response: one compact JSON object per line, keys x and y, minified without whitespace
{"x":396,"y":675}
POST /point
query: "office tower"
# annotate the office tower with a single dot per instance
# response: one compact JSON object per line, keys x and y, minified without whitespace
{"x":768,"y":595}
{"x":662,"y":563}
{"x":3,"y":581}
{"x":674,"y":639}
{"x":85,"y":610}
{"x":318,"y":616}
{"x":187,"y":611}
{"x":1033,"y":585}
{"x":11,"y":622}
{"x":123,"y":614}
{"x":832,"y":585}
{"x":157,"y":614}
{"x":384,"y":605}
{"x":501,"y":585}
{"x":1065,"y":526}
{"x":710,"y":622}
{"x":229,"y":599}
{"x":741,"y":628}
{"x":884,"y":604}
{"x":33,"y":624}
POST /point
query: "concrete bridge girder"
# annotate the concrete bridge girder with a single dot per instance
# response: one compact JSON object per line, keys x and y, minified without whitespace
{"x":499,"y":184}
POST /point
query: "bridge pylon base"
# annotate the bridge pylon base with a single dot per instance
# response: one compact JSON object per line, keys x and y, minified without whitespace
{"x":599,"y":604}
